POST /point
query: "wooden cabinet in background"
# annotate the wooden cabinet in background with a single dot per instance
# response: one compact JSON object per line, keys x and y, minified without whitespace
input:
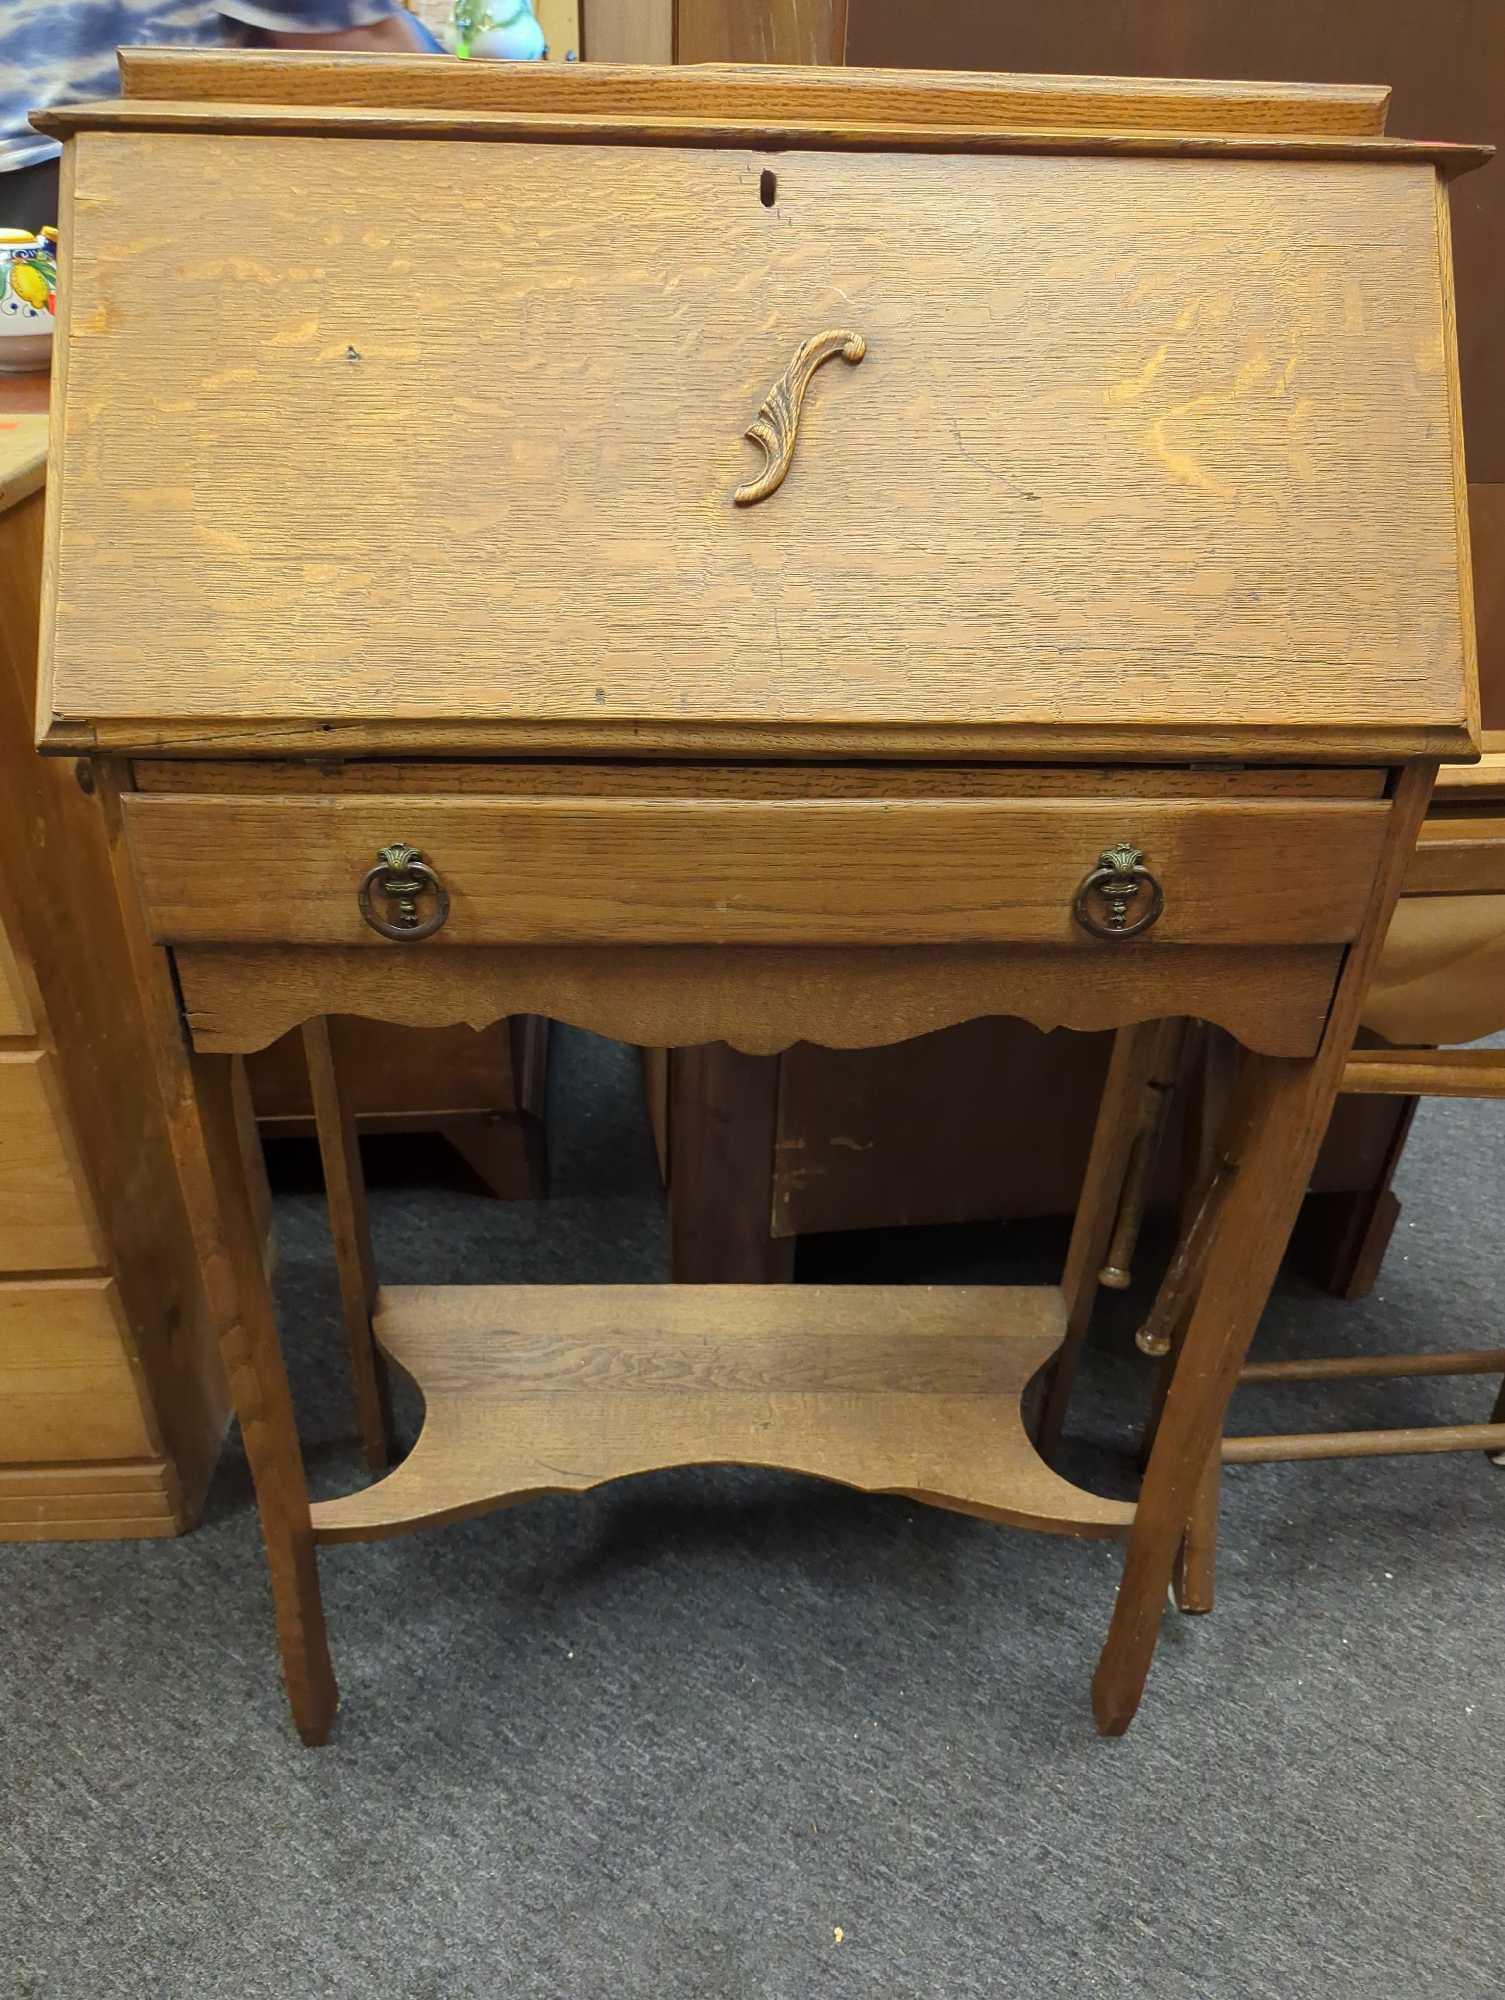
{"x":480,"y":1089}
{"x":112,"y":1398}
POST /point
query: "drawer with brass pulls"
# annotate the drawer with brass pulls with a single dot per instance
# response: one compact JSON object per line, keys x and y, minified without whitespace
{"x":965,"y":866}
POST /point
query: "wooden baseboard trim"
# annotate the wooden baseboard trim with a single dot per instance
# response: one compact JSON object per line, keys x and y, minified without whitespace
{"x":124,"y":1500}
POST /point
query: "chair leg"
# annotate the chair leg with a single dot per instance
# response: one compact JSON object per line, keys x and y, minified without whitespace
{"x":1129,"y":1071}
{"x":1276,"y":1129}
{"x":350,"y":1226}
{"x":1498,"y":1417}
{"x":213,"y":1170}
{"x":1195,"y":1579}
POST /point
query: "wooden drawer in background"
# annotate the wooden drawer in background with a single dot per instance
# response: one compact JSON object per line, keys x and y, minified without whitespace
{"x":15,"y":1012}
{"x":44,"y":1224}
{"x":68,"y":1390}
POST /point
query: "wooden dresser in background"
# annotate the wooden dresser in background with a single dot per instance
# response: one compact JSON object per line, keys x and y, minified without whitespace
{"x":112,"y":1398}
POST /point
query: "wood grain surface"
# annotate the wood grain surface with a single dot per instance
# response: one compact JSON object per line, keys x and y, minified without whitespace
{"x":627,"y":31}
{"x":759,"y":999}
{"x":15,"y":1006}
{"x":67,"y":1386}
{"x":249,"y":870}
{"x":713,"y":86}
{"x":1459,"y":857}
{"x":343,"y":121}
{"x":126,"y":1499}
{"x":1444,"y":61}
{"x":766,"y":781}
{"x":1134,"y":444}
{"x":532,"y":1389}
{"x":1426,"y":1072}
{"x":761,"y":31}
{"x":45,"y":1216}
{"x":1273,"y":1132}
{"x":58,"y":895}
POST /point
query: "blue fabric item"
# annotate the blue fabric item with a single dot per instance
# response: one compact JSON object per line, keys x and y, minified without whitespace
{"x":52,"y":54}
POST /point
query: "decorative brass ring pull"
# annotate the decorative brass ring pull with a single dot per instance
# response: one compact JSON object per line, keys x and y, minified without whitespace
{"x":1118,"y":879}
{"x":402,"y":875}
{"x":778,"y":418}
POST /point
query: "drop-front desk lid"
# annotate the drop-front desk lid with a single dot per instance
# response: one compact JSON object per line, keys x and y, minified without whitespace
{"x":402,"y":404}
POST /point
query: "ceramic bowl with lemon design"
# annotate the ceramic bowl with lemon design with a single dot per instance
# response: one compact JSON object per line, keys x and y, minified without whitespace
{"x":28,"y":298}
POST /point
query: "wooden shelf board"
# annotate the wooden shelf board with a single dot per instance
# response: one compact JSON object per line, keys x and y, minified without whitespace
{"x":556,"y":1389}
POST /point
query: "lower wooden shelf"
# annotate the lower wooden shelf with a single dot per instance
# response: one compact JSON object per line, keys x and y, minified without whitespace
{"x":535,"y":1389}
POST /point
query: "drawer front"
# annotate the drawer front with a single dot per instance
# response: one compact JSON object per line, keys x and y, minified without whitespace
{"x":671,"y":871}
{"x":15,"y":1012}
{"x":67,"y":1386}
{"x":44,"y":1217}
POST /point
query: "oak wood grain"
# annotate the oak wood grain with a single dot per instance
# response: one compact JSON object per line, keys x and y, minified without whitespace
{"x":761,"y":1000}
{"x":1458,"y":784}
{"x":199,"y":1096}
{"x":1467,"y":625}
{"x":534,"y":1389}
{"x":57,"y":893}
{"x":249,"y":869}
{"x":46,"y":1217}
{"x":263,"y":1400}
{"x":1274,"y":1131}
{"x":68,"y":1389}
{"x":627,"y":31}
{"x":1127,"y":743}
{"x":1445,"y":64}
{"x":1447,"y":158}
{"x":1034,"y":489}
{"x":16,"y":1016}
{"x":763,"y":781}
{"x":1426,"y":1072}
{"x":125,"y":1500}
{"x":770,"y":91}
{"x":762,"y":31}
{"x":1459,"y":857}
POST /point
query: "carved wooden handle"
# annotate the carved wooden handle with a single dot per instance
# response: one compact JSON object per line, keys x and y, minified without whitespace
{"x":778,"y":418}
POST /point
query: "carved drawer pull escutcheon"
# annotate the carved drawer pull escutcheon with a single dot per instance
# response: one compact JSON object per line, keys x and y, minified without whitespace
{"x":402,"y":875}
{"x":778,"y":419}
{"x":1114,"y":885}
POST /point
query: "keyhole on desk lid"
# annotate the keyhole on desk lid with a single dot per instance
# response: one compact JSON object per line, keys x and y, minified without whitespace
{"x":768,"y":187}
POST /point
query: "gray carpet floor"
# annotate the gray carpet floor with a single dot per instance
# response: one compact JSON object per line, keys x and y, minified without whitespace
{"x":743,"y":1736}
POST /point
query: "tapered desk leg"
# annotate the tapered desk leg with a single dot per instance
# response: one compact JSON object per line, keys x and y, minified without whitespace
{"x":1285,"y":1107}
{"x":264,"y":1404}
{"x":198,"y":1094}
{"x":350,"y":1227}
{"x":1275,"y":1128}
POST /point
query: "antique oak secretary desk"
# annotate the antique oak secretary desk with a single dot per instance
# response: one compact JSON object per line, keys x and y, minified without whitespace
{"x":753,"y":555}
